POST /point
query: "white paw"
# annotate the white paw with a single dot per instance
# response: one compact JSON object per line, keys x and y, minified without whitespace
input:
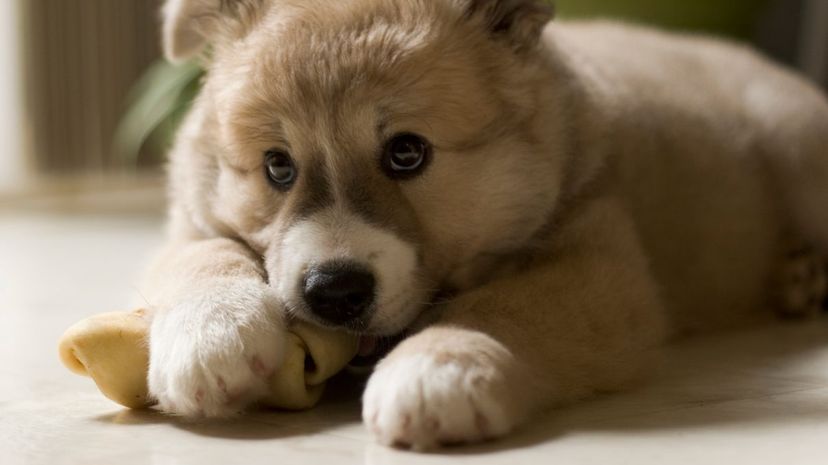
{"x":212,"y":354}
{"x":429,"y":399}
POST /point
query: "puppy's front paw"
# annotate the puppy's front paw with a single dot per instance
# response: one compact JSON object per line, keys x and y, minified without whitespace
{"x":424,"y":395}
{"x":212,"y":354}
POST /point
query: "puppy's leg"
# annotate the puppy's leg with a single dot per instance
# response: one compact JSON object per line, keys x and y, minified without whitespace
{"x":801,"y":282}
{"x":584,"y":319}
{"x":217,"y":331}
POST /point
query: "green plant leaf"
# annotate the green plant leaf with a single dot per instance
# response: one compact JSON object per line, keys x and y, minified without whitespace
{"x":158,"y":101}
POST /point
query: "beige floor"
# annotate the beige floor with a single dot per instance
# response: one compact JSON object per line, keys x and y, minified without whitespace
{"x":758,"y":397}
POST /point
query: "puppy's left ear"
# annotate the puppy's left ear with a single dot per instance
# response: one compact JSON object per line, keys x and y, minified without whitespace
{"x":519,"y":22}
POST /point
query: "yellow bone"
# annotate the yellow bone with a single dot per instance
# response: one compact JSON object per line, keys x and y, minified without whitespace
{"x":111,"y":348}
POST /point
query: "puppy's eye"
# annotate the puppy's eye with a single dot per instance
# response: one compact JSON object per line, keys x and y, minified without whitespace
{"x":405,"y":155}
{"x":280,"y":169}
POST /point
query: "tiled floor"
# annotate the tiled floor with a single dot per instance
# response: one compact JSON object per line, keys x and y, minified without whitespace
{"x":758,"y":397}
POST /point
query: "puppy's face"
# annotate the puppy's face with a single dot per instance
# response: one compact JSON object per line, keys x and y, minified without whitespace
{"x":375,"y":152}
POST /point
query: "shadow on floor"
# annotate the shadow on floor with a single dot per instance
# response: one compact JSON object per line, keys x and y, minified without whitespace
{"x":753,"y":376}
{"x":339,"y":406}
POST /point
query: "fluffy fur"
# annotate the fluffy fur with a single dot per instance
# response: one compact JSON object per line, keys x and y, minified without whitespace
{"x":594,"y":189}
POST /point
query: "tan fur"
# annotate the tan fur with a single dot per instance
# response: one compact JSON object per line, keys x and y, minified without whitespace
{"x":592,"y":190}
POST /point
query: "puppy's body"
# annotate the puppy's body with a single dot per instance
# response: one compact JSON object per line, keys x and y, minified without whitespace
{"x":705,"y":142}
{"x":592,"y":188}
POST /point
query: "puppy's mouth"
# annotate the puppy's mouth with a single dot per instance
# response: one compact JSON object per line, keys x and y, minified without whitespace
{"x":367,"y":345}
{"x":373,"y":348}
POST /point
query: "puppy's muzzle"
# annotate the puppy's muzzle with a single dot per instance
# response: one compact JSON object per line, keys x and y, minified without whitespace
{"x":339,"y":292}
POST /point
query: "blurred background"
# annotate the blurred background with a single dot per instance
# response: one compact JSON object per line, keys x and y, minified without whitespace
{"x":87,"y":112}
{"x":87,"y":105}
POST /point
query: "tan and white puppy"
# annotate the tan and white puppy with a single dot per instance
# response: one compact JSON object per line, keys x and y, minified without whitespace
{"x":575,"y":193}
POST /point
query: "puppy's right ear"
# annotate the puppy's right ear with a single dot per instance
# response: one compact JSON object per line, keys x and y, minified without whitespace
{"x":190,"y":24}
{"x":519,"y":22}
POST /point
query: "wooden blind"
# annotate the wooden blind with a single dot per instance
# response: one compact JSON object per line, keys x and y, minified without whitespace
{"x":81,"y":58}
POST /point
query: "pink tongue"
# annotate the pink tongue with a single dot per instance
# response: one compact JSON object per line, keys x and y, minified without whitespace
{"x":367,"y":345}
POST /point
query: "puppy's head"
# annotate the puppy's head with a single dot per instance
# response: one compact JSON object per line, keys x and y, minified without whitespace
{"x":374,"y":151}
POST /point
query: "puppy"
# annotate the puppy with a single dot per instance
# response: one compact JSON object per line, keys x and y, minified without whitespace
{"x":574,"y":193}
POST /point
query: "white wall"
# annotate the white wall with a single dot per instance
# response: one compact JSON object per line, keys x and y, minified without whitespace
{"x":13,"y":172}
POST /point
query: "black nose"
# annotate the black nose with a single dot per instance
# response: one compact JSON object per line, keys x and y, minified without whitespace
{"x":339,"y":292}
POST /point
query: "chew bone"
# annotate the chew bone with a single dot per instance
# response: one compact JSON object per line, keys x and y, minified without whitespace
{"x":111,"y":348}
